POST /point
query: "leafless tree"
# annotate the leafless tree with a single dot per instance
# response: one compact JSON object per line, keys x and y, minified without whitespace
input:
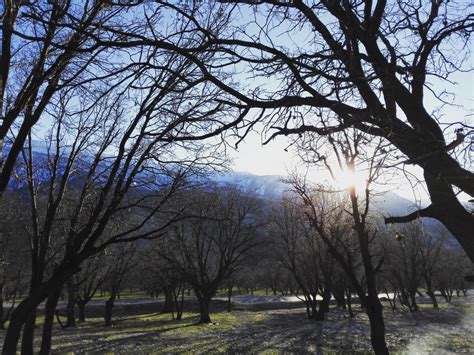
{"x":323,"y":67}
{"x":305,"y":255}
{"x":163,"y":277}
{"x":352,"y":152}
{"x":405,"y":260}
{"x":13,"y":256}
{"x":120,"y":259}
{"x":209,"y":246}
{"x":100,"y":167}
{"x":88,"y":281}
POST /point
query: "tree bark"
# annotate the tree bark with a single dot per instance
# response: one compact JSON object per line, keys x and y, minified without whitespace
{"x":82,"y":311}
{"x":204,"y":316}
{"x":71,"y":303}
{"x":168,"y":306}
{"x":109,"y":306}
{"x":49,"y":311}
{"x":28,"y":305}
{"x":229,"y":298}
{"x":448,"y":210}
{"x":2,"y":324}
{"x":28,"y":334}
{"x":433,"y":299}
{"x":324,"y":304}
{"x":377,"y":327}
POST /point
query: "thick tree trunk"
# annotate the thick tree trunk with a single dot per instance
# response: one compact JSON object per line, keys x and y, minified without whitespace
{"x":71,"y":303}
{"x":28,"y":334}
{"x":414,"y":305}
{"x":433,"y":298}
{"x":445,"y":208}
{"x":324,"y":304}
{"x":204,"y":316}
{"x":377,"y":327}
{"x":29,"y":304}
{"x":2,"y":324}
{"x":49,"y":311}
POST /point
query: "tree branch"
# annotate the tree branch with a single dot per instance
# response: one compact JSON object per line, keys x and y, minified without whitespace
{"x":424,"y":212}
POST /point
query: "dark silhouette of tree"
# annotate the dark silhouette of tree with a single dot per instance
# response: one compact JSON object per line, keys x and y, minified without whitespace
{"x":83,"y":191}
{"x":305,"y":255}
{"x":210,"y":245}
{"x":367,"y":65}
{"x":327,"y":214}
{"x":119,"y":260}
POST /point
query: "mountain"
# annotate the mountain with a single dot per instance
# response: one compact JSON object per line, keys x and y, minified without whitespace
{"x":386,"y":204}
{"x":269,"y":187}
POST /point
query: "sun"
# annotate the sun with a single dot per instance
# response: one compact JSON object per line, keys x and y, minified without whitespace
{"x":346,"y":179}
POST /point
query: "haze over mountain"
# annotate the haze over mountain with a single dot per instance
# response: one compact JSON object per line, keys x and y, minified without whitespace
{"x":273,"y":187}
{"x":387,"y":203}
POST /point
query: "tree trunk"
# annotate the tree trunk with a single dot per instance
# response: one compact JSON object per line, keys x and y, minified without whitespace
{"x":414,"y":305}
{"x":349,"y":304}
{"x":433,"y":298}
{"x":28,"y":334}
{"x":109,"y":306}
{"x":229,"y":298}
{"x":49,"y":310}
{"x":28,"y":305}
{"x":2,"y":324}
{"x":168,"y":306}
{"x":71,"y":302}
{"x":448,"y":210}
{"x":324,"y":304}
{"x":204,"y":310}
{"x":377,"y":327}
{"x":82,"y":311}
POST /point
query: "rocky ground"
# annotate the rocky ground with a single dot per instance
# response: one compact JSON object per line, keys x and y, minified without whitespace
{"x":274,"y":327}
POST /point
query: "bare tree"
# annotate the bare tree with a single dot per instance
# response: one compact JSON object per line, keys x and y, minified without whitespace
{"x":13,"y":256}
{"x":210,"y":245}
{"x":350,"y":151}
{"x":304,"y":255}
{"x":87,"y":189}
{"x":91,"y":277}
{"x":164,"y":278}
{"x":368,"y":65}
{"x":405,"y":262}
{"x":119,"y":261}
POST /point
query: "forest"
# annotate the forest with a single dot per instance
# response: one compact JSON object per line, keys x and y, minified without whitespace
{"x":116,"y":121}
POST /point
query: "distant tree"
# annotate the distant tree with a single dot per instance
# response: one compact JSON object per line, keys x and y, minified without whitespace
{"x":209,"y":246}
{"x":88,"y":281}
{"x":453,"y":267}
{"x":329,"y":216}
{"x":405,"y":261}
{"x":119,"y":261}
{"x":305,"y":255}
{"x":160,"y":276}
{"x":13,"y":256}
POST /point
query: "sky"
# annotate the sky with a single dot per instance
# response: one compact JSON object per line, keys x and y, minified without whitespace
{"x":272,"y":159}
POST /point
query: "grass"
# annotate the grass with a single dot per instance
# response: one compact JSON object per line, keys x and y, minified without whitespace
{"x":252,"y":330}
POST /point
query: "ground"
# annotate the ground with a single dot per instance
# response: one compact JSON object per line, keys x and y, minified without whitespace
{"x":272,"y":327}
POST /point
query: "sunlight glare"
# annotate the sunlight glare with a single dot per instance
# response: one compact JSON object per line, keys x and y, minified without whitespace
{"x":345,"y":179}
